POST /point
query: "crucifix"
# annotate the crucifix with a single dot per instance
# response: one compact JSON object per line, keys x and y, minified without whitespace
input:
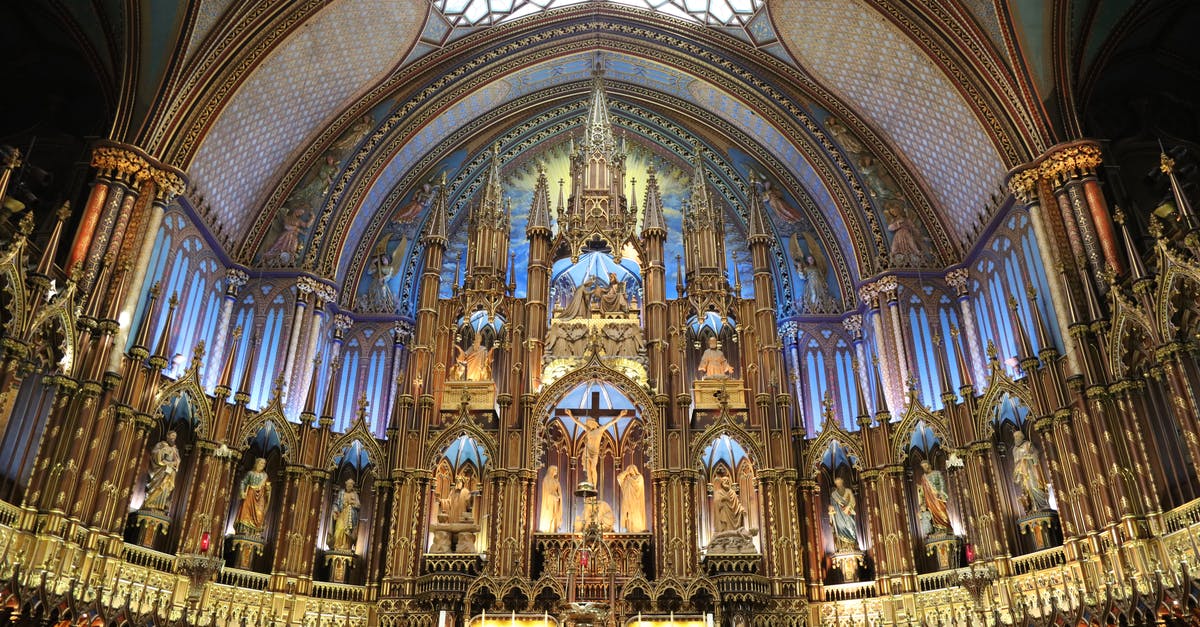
{"x":593,"y":433}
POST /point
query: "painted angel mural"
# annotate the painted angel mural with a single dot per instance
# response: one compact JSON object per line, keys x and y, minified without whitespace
{"x":813,"y":268}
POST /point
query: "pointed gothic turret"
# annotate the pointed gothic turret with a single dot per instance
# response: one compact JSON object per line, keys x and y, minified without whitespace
{"x":654,"y":220}
{"x":539,"y":211}
{"x":436,"y":231}
{"x":597,"y":214}
{"x":760,"y":223}
{"x":704,"y":242}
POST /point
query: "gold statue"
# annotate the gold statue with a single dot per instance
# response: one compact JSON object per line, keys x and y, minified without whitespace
{"x":343,"y":533}
{"x":593,"y":433}
{"x":164,"y":466}
{"x":475,"y":363}
{"x":633,"y":499}
{"x":713,"y":364}
{"x":551,"y":514}
{"x":255,"y":492}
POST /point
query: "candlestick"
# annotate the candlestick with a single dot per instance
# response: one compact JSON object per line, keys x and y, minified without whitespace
{"x":483,"y":621}
{"x":441,"y":618}
{"x":708,"y":619}
{"x":545,"y":618}
{"x":512,"y":621}
{"x":640,"y":623}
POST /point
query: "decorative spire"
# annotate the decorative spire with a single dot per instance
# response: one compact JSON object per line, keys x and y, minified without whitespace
{"x":960,"y":358}
{"x":760,"y":224}
{"x":309,"y":414}
{"x":654,"y":221}
{"x":599,"y":134}
{"x":1137,"y":269}
{"x":335,"y":370}
{"x":943,"y":367}
{"x":1095,"y":312}
{"x":864,"y":413}
{"x":539,"y":211}
{"x":490,"y":209}
{"x":143,"y":334}
{"x":1039,"y":325}
{"x":699,"y":201}
{"x":160,"y":348}
{"x":243,"y":393}
{"x":1167,"y":165}
{"x":1023,"y":344}
{"x":46,"y":263}
{"x":882,"y":415}
{"x":225,"y":382}
{"x":436,"y":232}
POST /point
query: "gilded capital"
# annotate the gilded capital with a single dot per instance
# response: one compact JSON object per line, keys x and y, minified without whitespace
{"x":853,"y":325}
{"x":957,"y":279}
{"x":1071,"y":161}
{"x":1023,"y":185}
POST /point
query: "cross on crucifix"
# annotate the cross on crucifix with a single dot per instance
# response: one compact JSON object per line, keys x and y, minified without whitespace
{"x":592,"y":433}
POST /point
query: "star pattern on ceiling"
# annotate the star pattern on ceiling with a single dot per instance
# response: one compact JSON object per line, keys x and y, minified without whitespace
{"x":710,"y":12}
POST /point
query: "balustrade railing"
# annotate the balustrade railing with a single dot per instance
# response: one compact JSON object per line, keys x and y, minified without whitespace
{"x":149,"y":558}
{"x":850,"y":591}
{"x":1039,"y":560}
{"x":339,"y":591}
{"x":239,"y":578}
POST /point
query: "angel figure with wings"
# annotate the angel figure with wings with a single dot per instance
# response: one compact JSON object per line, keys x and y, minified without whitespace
{"x":383,"y":266}
{"x":813,"y":268}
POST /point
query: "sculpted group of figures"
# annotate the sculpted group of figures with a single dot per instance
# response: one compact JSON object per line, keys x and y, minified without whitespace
{"x":933,"y":513}
{"x":254,"y":497}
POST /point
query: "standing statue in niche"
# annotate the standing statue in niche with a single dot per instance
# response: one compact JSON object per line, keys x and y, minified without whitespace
{"x":474,"y":363}
{"x":1028,"y":476}
{"x":593,"y":434}
{"x":728,"y":512}
{"x":633,"y":499}
{"x":842,"y":516}
{"x":164,"y":466}
{"x":932,"y":497}
{"x":713,"y":364}
{"x":551,"y":515}
{"x":255,"y":492}
{"x":343,"y":532}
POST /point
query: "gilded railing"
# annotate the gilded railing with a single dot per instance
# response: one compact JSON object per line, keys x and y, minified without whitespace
{"x":239,"y":578}
{"x":339,"y":591}
{"x":849,"y":591}
{"x":1183,"y":516}
{"x":1038,"y":560}
{"x":141,"y":556}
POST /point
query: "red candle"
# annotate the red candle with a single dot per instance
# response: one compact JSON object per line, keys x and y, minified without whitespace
{"x":970,"y":553}
{"x":204,"y":542}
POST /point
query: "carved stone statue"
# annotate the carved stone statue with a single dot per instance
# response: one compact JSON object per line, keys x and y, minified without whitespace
{"x":551,"y":514}
{"x":382,"y":267}
{"x":566,"y":339}
{"x":713,"y":364}
{"x":460,"y":500}
{"x":255,"y":492}
{"x":1028,"y":476}
{"x":602,"y":512}
{"x":813,"y":267}
{"x":932,"y":497}
{"x":343,"y":532}
{"x":842,"y":516}
{"x":612,"y":297}
{"x":580,"y":305}
{"x":731,"y":534}
{"x":633,"y":499}
{"x":164,"y":466}
{"x":593,"y":433}
{"x":474,"y":363}
{"x":622,"y":339}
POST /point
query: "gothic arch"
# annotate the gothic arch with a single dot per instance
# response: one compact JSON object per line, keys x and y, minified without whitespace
{"x":189,"y":387}
{"x":725,"y":425}
{"x":273,"y":414}
{"x":999,"y":384}
{"x":831,"y":433}
{"x":358,"y":432}
{"x":595,"y":369}
{"x":463,"y":425}
{"x":916,"y":413}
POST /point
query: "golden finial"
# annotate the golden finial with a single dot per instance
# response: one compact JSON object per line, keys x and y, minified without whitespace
{"x":992,"y":352}
{"x":25,"y":225}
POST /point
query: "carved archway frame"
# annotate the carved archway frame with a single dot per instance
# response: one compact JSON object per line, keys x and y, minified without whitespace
{"x":594,"y":369}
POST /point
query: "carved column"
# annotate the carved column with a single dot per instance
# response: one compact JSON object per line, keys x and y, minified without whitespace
{"x":957,"y":279}
{"x":406,"y":529}
{"x":870,"y":295}
{"x":676,"y":527}
{"x":304,"y":296}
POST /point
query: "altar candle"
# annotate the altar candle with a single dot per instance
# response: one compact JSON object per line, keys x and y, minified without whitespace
{"x":545,"y":618}
{"x":441,"y":618}
{"x":672,"y":618}
{"x":483,"y":621}
{"x":708,"y":619}
{"x":640,"y":620}
{"x":512,"y":621}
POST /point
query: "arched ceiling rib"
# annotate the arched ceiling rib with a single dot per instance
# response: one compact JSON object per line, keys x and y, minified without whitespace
{"x":305,"y":81}
{"x":857,"y":52}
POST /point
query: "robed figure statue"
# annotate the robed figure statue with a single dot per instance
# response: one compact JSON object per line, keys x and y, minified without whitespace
{"x":1028,"y":476}
{"x":551,"y":512}
{"x":633,"y":499}
{"x":343,"y":532}
{"x":164,"y":466}
{"x":255,"y":492}
{"x":842,"y":513}
{"x":932,"y":497}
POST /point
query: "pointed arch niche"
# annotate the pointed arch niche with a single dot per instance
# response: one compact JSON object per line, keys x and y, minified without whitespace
{"x":594,"y":424}
{"x":731,"y":496}
{"x":458,"y":486}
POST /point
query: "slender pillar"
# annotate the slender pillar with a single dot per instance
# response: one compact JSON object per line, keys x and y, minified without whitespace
{"x":234,"y":280}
